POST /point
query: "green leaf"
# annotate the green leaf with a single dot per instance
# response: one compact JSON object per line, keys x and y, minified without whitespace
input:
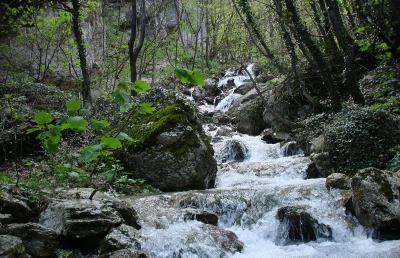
{"x":55,"y":134}
{"x":88,"y":154}
{"x":182,"y":75}
{"x":124,"y":86}
{"x":197,"y":78}
{"x":99,"y":125}
{"x":122,"y":98}
{"x":73,"y":105}
{"x":76,"y":123}
{"x":124,"y":137}
{"x":42,"y":118}
{"x":141,"y":86}
{"x":147,"y":108}
{"x":34,"y":129}
{"x":50,"y":146}
{"x":111,"y":142}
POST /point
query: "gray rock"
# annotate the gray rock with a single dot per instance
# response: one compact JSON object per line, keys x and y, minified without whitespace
{"x":243,"y":89}
{"x":319,"y":144}
{"x":123,"y":237}
{"x":248,"y":117}
{"x":224,"y":131}
{"x":198,"y":94}
{"x":272,"y":137}
{"x":80,"y":219}
{"x":11,"y":247}
{"x":338,"y":181}
{"x":124,"y":253}
{"x":38,"y":240}
{"x":233,"y":150}
{"x":19,"y":210}
{"x":221,"y":119}
{"x":297,"y":225}
{"x":211,"y":88}
{"x":207,"y":217}
{"x":376,"y":201}
{"x":5,"y":218}
{"x":227,"y":240}
{"x":323,"y":163}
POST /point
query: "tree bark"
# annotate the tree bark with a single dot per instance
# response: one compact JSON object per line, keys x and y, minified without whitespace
{"x":303,"y":35}
{"x":134,"y":51}
{"x":86,"y":95}
{"x":351,"y":71}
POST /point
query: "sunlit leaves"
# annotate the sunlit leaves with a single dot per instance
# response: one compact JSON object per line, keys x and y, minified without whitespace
{"x":147,"y":108}
{"x":42,"y":118}
{"x":190,"y":77}
{"x":76,"y":123}
{"x":73,"y":106}
{"x":140,"y":86}
{"x":99,"y":125}
{"x":110,"y":142}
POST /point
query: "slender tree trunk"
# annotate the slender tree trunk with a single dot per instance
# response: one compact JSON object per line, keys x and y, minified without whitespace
{"x":303,"y":35}
{"x":134,"y":51}
{"x":86,"y":95}
{"x":351,"y":72}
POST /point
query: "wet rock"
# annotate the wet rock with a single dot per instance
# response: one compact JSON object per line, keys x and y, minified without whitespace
{"x":171,"y":152}
{"x":312,"y":172}
{"x":127,"y":212}
{"x":323,"y":163}
{"x":227,"y":240}
{"x":123,"y":237}
{"x":80,"y":219}
{"x":5,"y":218}
{"x":12,"y":247}
{"x":248,"y":117}
{"x":233,"y":150}
{"x":271,"y":137}
{"x":38,"y":240}
{"x":338,"y":181}
{"x":19,"y":210}
{"x":211,"y":88}
{"x":297,"y":225}
{"x":198,"y":94}
{"x":290,"y":149}
{"x":124,"y":253}
{"x":207,"y":217}
{"x":221,"y":119}
{"x":224,"y":131}
{"x":376,"y":201}
{"x":243,"y":89}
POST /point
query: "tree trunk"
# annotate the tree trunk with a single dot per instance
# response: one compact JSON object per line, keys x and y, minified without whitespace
{"x":87,"y":98}
{"x":135,"y":51}
{"x":351,"y":72}
{"x":303,"y":35}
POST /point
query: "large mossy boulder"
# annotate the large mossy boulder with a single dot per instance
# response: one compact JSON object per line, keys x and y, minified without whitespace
{"x":170,"y":149}
{"x":376,"y":201}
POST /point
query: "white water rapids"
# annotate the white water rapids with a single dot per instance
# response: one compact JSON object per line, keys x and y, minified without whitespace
{"x":247,"y":196}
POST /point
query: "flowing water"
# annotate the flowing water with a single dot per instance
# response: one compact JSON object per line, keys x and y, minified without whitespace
{"x":254,"y":180}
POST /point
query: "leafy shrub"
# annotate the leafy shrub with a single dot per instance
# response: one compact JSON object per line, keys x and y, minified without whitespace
{"x":357,"y":137}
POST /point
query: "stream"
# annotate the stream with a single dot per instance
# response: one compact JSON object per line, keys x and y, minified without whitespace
{"x":254,"y":180}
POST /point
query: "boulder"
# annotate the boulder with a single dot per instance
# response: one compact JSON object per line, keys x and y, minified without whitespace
{"x":243,"y":89}
{"x":272,"y":137}
{"x":221,"y":119}
{"x":233,"y":150}
{"x":297,"y":225}
{"x":225,"y":239}
{"x":322,"y":163}
{"x":248,"y":117}
{"x":207,"y":217}
{"x":122,"y":237}
{"x":124,"y":253}
{"x":224,"y":131}
{"x":312,"y":172}
{"x":12,"y":247}
{"x":18,"y":209}
{"x":38,"y":240}
{"x":211,"y":88}
{"x":319,"y":144}
{"x":198,"y":94}
{"x":170,"y":149}
{"x":376,"y":201}
{"x":6,"y":218}
{"x":83,"y":220}
{"x":338,"y":181}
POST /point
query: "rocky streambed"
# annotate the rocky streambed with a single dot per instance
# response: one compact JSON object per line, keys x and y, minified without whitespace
{"x":264,"y":203}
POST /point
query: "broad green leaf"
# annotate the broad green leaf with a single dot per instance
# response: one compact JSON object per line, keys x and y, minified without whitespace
{"x":99,"y":125}
{"x":182,"y":75}
{"x":55,"y":134}
{"x":43,"y":135}
{"x":122,"y":98}
{"x":124,"y":137}
{"x":124,"y":86}
{"x":197,"y":78}
{"x":111,"y":142}
{"x":73,"y":105}
{"x":76,"y":123}
{"x":88,"y":154}
{"x":34,"y":129}
{"x":141,"y":86}
{"x":147,"y":108}
{"x":42,"y":118}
